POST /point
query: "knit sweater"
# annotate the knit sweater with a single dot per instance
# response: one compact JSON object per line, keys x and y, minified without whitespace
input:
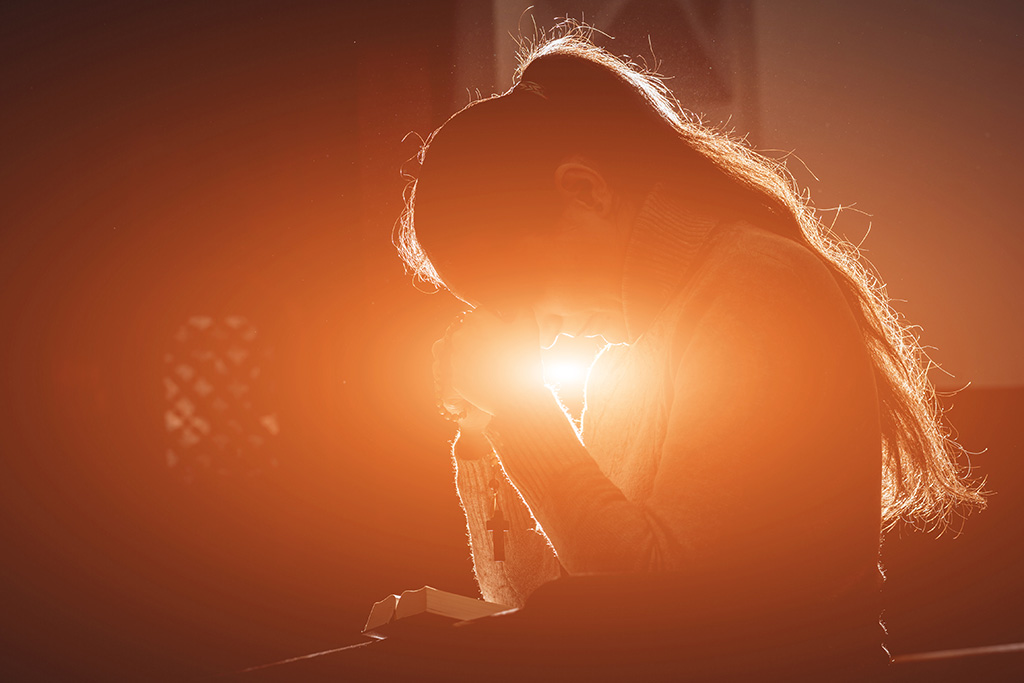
{"x":735,"y":436}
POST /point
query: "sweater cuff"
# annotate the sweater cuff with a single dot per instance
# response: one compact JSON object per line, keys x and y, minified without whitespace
{"x":537,"y":445}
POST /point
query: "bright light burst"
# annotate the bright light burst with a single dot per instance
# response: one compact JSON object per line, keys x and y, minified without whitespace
{"x":566,"y":365}
{"x":567,"y":362}
{"x":562,"y":372}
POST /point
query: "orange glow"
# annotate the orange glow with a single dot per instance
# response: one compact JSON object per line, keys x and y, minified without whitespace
{"x":568,"y":360}
{"x":558,"y":372}
{"x":566,"y":366}
{"x":178,"y":504}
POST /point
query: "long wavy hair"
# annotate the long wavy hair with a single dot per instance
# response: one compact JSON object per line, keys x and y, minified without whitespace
{"x":571,"y":96}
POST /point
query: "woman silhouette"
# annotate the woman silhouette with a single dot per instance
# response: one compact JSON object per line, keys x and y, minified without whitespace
{"x":759,"y":416}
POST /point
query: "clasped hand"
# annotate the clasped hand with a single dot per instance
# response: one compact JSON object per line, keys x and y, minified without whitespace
{"x":488,"y":363}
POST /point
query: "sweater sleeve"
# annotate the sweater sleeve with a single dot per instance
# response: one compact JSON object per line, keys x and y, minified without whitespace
{"x":770,"y":400}
{"x":591,"y":524}
{"x":530,"y":560}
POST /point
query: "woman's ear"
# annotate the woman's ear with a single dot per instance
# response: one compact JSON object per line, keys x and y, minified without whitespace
{"x":581,"y":186}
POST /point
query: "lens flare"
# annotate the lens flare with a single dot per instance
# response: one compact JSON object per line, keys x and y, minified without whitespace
{"x":567,"y":362}
{"x":562,"y":372}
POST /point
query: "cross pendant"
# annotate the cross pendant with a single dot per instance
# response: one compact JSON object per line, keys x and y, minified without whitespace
{"x":498,"y":526}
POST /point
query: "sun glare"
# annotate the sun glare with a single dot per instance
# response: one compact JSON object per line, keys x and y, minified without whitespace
{"x":567,"y":361}
{"x":561,"y":372}
{"x":566,"y":365}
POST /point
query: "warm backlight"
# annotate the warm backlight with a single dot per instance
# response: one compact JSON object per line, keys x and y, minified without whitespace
{"x":566,"y":365}
{"x":563,"y":373}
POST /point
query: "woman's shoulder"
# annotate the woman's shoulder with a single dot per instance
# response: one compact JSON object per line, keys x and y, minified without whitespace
{"x":744,"y":260}
{"x":743,"y":245}
{"x":754,"y":279}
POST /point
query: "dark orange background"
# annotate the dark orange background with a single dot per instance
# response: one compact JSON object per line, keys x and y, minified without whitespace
{"x":220,"y":158}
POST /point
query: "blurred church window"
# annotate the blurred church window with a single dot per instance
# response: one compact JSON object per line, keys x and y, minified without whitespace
{"x":218,"y":418}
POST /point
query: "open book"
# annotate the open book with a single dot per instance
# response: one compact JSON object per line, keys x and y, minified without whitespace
{"x":422,"y":610}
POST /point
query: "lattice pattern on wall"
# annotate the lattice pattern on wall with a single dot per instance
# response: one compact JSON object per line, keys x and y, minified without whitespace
{"x":217,"y":418}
